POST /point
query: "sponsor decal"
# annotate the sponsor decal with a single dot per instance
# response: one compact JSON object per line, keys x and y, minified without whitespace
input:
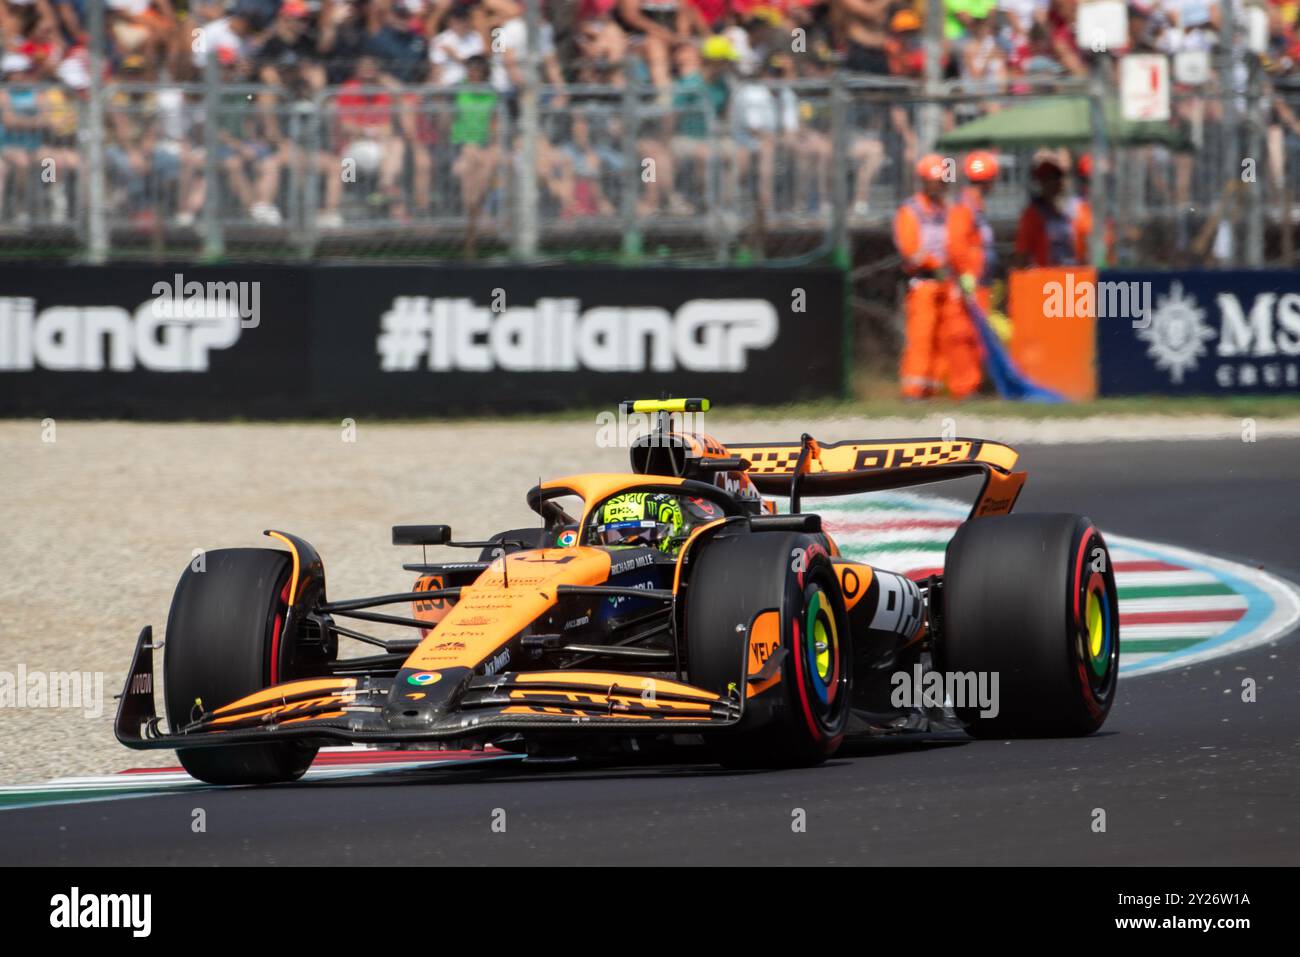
{"x":567,"y":538}
{"x":557,"y":335}
{"x":1176,"y":334}
{"x":617,"y":600}
{"x":1208,"y":332}
{"x":497,"y":662}
{"x":423,"y":678}
{"x":629,"y":564}
{"x":161,"y":335}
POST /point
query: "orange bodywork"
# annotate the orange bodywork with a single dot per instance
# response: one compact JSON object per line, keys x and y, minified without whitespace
{"x":274,"y":703}
{"x":432,"y":610}
{"x":764,"y":640}
{"x":845,"y":457}
{"x":489,"y":612}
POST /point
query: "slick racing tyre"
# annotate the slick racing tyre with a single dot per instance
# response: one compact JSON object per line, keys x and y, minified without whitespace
{"x":224,"y":641}
{"x":758,"y":595}
{"x":1032,"y":598}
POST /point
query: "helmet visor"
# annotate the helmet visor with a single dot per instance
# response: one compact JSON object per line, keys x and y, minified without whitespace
{"x":636,"y":532}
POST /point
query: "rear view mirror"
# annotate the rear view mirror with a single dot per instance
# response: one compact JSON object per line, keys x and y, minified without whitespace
{"x":421,"y":534}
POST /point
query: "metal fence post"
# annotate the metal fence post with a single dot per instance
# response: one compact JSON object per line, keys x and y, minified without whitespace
{"x":1098,"y":194}
{"x":839,"y":225}
{"x":1228,"y":129}
{"x":308,"y":118}
{"x":632,"y":162}
{"x":97,"y":212}
{"x":1254,"y":122}
{"x":932,"y":44}
{"x":213,"y":245}
{"x":525,"y":244}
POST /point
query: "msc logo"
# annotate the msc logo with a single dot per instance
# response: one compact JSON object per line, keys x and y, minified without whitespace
{"x":556,"y":335}
{"x":1179,"y":331}
{"x":99,"y":338}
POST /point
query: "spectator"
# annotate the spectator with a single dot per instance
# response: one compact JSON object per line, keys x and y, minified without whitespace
{"x":232,"y":31}
{"x":982,"y":62}
{"x":20,"y":133}
{"x":394,"y":39}
{"x":246,"y":144}
{"x":960,"y":16}
{"x":290,"y":56}
{"x":342,"y":38}
{"x":1046,"y":233}
{"x":510,"y":45}
{"x":864,"y":25}
{"x":701,"y":101}
{"x":653,"y":26}
{"x":367,"y":131}
{"x":760,"y":116}
{"x":904,"y":59}
{"x":452,"y":48}
{"x":599,"y":37}
{"x":474,"y":134}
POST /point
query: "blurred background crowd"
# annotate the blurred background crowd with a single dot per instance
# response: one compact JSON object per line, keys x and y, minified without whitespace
{"x":417,"y":102}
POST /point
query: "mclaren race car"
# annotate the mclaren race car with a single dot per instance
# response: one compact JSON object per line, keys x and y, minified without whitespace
{"x":671,"y":603}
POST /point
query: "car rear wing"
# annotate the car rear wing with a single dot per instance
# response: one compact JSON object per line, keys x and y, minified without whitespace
{"x":808,"y":467}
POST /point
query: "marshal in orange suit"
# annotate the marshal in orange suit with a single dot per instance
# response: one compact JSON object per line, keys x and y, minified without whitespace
{"x":941,"y":347}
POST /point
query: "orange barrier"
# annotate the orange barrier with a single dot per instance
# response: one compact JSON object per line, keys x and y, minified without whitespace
{"x":1053,"y":321}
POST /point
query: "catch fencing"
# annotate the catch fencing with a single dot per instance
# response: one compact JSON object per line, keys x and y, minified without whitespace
{"x":788,"y":171}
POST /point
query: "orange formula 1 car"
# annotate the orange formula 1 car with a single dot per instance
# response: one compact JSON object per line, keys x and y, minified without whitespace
{"x":673,"y":601}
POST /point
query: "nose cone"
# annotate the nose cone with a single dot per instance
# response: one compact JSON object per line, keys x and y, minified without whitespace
{"x":418,"y":698}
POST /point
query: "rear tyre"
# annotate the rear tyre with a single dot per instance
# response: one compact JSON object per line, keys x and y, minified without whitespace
{"x":224,"y":641}
{"x":781,"y":589}
{"x":1033,"y":599}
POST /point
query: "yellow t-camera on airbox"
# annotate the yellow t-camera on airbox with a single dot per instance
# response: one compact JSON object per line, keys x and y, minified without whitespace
{"x":651,"y":406}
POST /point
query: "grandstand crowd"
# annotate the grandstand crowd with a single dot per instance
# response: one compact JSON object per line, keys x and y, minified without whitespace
{"x":711,"y":63}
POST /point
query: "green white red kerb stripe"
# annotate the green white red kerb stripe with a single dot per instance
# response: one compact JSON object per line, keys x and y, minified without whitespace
{"x":1176,"y":606}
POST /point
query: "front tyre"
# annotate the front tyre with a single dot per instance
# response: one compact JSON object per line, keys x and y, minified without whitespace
{"x":753,"y":596}
{"x":225,"y":640}
{"x":1032,"y":598}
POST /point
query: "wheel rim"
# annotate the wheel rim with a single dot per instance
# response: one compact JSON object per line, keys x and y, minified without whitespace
{"x":822,"y":650}
{"x":1095,"y":622}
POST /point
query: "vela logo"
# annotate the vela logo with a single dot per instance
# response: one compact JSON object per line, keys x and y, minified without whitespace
{"x":556,"y":335}
{"x":76,"y":910}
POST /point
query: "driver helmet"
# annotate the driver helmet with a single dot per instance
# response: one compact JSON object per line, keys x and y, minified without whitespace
{"x":652,"y":519}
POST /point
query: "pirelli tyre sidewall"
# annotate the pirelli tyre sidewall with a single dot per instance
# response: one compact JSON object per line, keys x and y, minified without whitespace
{"x":1032,"y":598}
{"x":787,"y":580}
{"x":225,"y":624}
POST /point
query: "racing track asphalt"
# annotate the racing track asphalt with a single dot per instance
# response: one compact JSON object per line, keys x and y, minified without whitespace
{"x":1186,"y":772}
